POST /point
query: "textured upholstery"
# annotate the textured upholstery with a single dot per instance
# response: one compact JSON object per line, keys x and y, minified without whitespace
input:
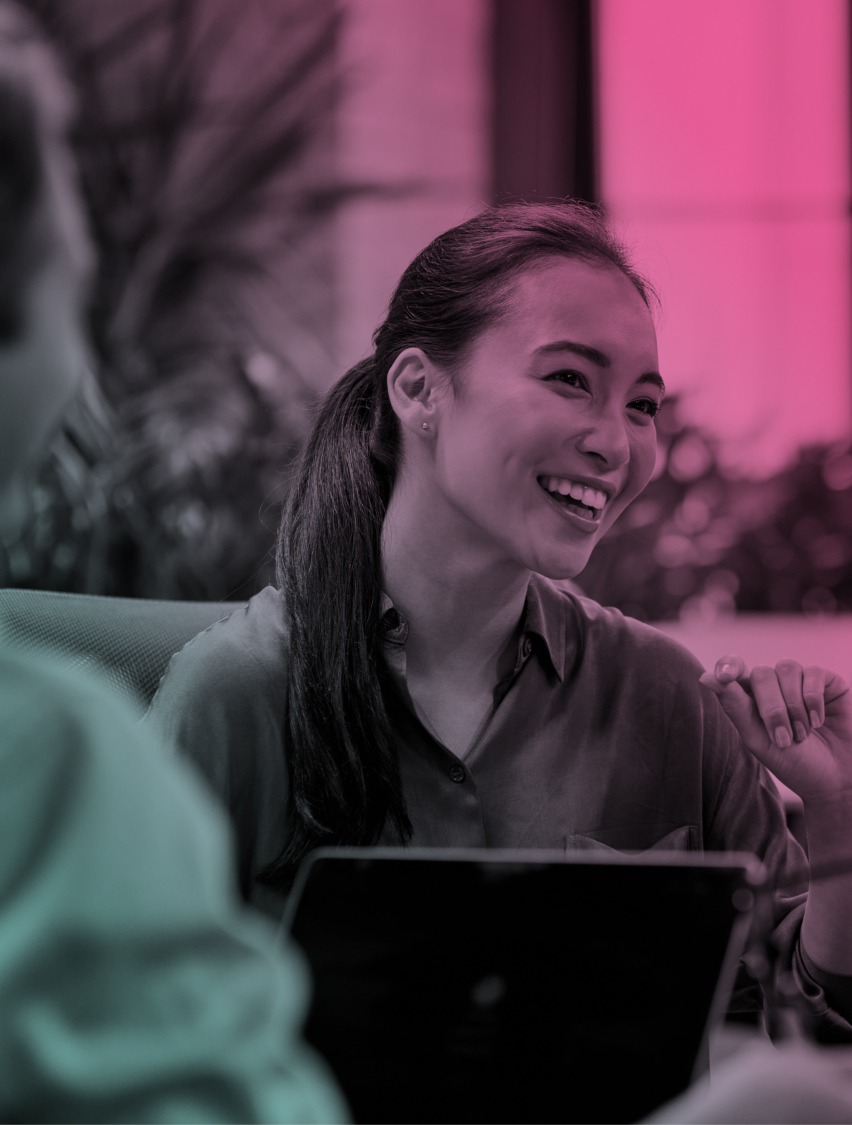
{"x":129,"y":640}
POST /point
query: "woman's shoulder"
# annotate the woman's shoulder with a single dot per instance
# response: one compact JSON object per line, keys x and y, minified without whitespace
{"x":250,"y":644}
{"x":611,"y":638}
{"x":222,"y":704}
{"x":226,"y":687}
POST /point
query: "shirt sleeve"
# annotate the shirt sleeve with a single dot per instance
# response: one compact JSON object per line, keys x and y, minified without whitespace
{"x":744,"y":813}
{"x":135,"y":986}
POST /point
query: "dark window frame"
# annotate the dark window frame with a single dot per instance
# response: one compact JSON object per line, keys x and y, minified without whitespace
{"x":543,"y":123}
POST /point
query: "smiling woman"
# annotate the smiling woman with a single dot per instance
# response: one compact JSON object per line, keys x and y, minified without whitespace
{"x":422,"y":677}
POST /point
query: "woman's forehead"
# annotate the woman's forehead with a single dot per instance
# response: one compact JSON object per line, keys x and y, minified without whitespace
{"x":571,"y":299}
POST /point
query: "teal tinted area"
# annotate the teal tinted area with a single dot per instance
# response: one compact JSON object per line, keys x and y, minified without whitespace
{"x":128,"y":641}
{"x":133,"y":984}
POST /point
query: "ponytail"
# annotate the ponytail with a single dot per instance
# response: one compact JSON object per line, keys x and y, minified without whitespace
{"x":344,"y":771}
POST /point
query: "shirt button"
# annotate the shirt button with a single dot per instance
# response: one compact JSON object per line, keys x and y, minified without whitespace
{"x":457,"y":773}
{"x":526,"y":648}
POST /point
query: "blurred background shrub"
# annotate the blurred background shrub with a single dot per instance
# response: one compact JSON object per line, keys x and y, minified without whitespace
{"x":700,"y":542}
{"x":204,"y":144}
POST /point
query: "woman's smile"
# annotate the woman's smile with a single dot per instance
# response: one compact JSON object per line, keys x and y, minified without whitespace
{"x":576,"y":499}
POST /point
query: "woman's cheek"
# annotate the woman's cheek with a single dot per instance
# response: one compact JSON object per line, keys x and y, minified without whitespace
{"x":646,"y":458}
{"x":643,"y":458}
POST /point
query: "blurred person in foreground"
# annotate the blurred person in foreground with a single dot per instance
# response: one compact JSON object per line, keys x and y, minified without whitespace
{"x":133,"y":984}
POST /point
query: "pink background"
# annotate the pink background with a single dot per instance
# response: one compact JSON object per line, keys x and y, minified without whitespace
{"x":724,"y":153}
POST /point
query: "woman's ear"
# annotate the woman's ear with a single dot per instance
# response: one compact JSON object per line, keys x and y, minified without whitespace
{"x":416,"y":389}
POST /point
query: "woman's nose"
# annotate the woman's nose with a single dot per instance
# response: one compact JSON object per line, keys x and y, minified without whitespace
{"x":606,"y":439}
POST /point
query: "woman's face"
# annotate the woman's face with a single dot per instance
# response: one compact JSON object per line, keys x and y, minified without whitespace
{"x":550,"y":431}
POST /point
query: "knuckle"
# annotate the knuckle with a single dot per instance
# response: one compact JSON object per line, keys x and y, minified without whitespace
{"x":775,"y":716}
{"x":794,"y":702}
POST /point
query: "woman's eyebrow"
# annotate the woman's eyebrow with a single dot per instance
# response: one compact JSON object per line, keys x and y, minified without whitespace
{"x":585,"y":350}
{"x":653,"y":377}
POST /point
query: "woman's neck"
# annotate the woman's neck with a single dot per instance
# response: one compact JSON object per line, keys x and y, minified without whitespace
{"x":462,"y":599}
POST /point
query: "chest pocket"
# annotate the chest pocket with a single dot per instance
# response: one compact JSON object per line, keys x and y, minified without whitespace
{"x":683,"y":839}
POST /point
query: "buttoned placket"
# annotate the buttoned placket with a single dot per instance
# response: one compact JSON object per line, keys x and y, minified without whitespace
{"x":394,"y":631}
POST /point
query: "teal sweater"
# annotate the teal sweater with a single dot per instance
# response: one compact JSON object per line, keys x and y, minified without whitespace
{"x":134,"y":986}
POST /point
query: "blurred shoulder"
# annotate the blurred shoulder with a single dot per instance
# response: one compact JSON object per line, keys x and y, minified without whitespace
{"x":58,"y":725}
{"x":37,"y":690}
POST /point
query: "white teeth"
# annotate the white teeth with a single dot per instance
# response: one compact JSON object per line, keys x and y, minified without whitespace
{"x":591,"y":497}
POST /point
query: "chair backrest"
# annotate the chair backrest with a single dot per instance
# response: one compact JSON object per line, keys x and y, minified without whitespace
{"x":128,"y":640}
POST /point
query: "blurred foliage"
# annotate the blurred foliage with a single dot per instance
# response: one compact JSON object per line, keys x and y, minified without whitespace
{"x":204,"y":141}
{"x":698,"y":543}
{"x":205,"y":146}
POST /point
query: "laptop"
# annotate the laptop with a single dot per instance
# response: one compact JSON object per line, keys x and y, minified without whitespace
{"x":517,"y":986}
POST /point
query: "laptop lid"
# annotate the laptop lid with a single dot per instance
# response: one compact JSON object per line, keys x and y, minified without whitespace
{"x":506,"y":986}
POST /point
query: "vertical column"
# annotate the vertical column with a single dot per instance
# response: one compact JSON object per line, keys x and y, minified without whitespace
{"x":542,"y":121}
{"x":413,"y":124}
{"x":725,"y":156}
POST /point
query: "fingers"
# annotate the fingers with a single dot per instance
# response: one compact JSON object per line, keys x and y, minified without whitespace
{"x":777,"y":693}
{"x":787,"y":701}
{"x":813,"y":692}
{"x":740,"y":709}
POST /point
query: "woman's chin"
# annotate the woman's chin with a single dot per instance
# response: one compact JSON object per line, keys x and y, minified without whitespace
{"x":560,"y":574}
{"x":561,"y":565}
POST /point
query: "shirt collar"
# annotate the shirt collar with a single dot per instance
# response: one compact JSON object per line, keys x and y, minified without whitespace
{"x":545,"y":618}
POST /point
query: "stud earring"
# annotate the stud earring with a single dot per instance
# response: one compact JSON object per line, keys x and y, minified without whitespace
{"x":424,"y":425}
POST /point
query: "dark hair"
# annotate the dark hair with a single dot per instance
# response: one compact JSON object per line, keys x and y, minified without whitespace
{"x":22,"y":245}
{"x":345,"y":779}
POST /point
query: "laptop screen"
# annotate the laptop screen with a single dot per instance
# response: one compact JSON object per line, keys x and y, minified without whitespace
{"x":465,"y":986}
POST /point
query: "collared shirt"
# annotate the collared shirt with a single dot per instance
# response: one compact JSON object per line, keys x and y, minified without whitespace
{"x":600,"y":737}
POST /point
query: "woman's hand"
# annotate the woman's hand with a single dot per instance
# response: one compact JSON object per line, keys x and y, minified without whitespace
{"x":797,"y":721}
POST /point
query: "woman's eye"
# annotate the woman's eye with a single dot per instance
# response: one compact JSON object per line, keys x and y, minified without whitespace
{"x":570,"y":378}
{"x":646,"y":406}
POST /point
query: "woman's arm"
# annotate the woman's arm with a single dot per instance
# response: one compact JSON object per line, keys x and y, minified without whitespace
{"x":798,"y":723}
